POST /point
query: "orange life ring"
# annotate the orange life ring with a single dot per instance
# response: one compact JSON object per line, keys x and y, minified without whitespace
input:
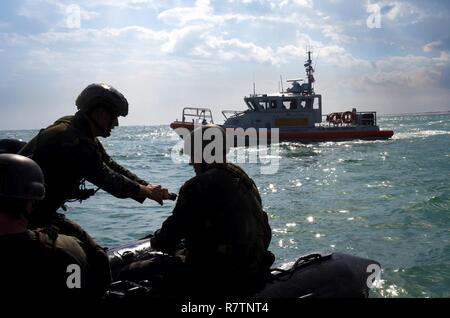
{"x":336,"y":118}
{"x":330,"y":118}
{"x":348,"y":117}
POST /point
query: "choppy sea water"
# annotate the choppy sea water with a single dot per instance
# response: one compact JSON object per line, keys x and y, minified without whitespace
{"x":385,"y":200}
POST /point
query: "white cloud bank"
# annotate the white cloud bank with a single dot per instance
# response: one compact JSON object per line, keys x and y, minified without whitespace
{"x":164,"y":66}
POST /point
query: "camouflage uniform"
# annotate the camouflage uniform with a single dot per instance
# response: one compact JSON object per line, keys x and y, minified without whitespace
{"x":226,"y":232}
{"x":36,"y":265}
{"x":68,"y":154}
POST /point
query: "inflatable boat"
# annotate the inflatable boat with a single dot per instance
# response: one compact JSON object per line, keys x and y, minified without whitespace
{"x":316,"y":275}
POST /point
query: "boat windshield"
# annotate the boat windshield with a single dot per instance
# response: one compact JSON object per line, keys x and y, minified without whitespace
{"x":265,"y":104}
{"x":294,"y":103}
{"x":253,"y":105}
{"x":284,"y":103}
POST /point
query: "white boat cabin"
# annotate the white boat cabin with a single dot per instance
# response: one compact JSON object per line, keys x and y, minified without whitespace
{"x":298,"y":107}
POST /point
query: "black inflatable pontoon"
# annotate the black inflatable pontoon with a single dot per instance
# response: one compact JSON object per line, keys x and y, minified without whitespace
{"x":315,"y":275}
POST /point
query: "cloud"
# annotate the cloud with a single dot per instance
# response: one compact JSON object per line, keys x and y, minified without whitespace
{"x":56,"y":13}
{"x":393,"y":10}
{"x":42,"y":11}
{"x":304,"y":3}
{"x":442,"y":59}
{"x":411,"y":71}
{"x":124,"y":4}
{"x":234,"y":49}
{"x":184,"y":39}
{"x":286,"y":13}
{"x":290,"y":3}
{"x":66,"y":40}
{"x":82,"y":51}
{"x":405,"y":12}
{"x":201,"y":11}
{"x":277,"y":3}
{"x":200,"y":33}
{"x":73,"y":15}
{"x":335,"y":33}
{"x":230,"y":49}
{"x":330,"y":53}
{"x":190,"y":40}
{"x":429,"y":47}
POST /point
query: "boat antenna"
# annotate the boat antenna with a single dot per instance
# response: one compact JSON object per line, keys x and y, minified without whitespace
{"x":309,"y":71}
{"x":281,"y":82}
{"x":254,"y":89}
{"x":308,"y":67}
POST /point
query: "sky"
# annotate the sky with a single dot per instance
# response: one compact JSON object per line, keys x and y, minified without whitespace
{"x":385,"y":56}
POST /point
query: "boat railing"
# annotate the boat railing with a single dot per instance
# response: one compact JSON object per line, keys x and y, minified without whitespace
{"x":231,"y":113}
{"x":359,"y":119}
{"x":202,"y":115}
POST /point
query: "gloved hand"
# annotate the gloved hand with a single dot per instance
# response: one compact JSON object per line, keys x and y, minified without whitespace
{"x":156,"y":193}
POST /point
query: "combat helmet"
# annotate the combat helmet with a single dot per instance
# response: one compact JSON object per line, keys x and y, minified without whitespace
{"x":11,"y":145}
{"x":102,"y":95}
{"x":20,"y":178}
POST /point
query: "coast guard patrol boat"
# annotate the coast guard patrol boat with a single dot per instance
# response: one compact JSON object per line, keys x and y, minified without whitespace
{"x":296,"y":112}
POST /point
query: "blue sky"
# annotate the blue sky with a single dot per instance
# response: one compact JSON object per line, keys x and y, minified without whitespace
{"x":166,"y":55}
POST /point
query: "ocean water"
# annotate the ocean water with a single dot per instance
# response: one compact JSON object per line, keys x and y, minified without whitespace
{"x":385,"y":200}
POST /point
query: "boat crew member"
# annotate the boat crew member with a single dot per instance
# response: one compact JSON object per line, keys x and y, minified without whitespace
{"x":34,"y":263}
{"x":293,"y":104}
{"x":69,"y":154}
{"x":220,"y":218}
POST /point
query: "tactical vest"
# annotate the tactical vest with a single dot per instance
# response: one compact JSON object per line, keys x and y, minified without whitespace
{"x":252,"y":190}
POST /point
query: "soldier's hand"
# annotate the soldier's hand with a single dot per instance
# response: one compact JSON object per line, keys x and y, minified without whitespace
{"x":155,"y":192}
